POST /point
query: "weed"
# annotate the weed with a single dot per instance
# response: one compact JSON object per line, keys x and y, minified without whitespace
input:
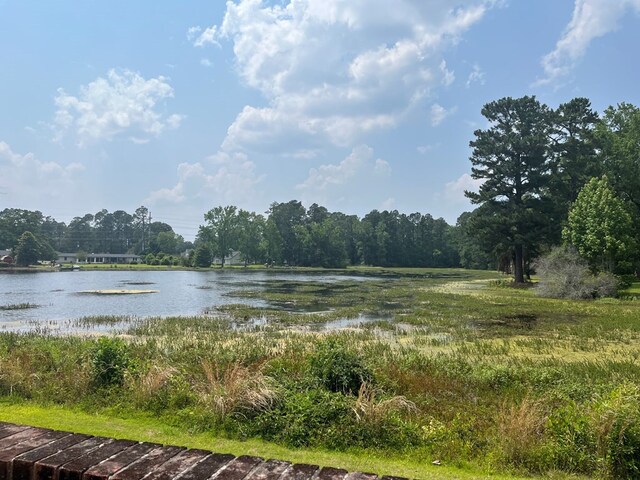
{"x":337,"y":367}
{"x":109,"y":361}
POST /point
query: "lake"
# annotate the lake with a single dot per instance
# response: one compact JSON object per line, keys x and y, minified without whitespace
{"x":180,"y":293}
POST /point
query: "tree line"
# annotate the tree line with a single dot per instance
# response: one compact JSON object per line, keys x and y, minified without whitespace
{"x":103,"y":232}
{"x":287,"y":234}
{"x":549,"y":176}
{"x":290,"y":234}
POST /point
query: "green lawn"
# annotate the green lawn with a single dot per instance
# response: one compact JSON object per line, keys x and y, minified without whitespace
{"x":149,"y":429}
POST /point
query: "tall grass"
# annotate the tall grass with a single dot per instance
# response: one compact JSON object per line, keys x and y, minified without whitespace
{"x":489,"y":375}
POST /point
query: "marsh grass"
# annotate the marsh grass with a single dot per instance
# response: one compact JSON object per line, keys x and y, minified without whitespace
{"x":18,"y":306}
{"x":452,"y":368}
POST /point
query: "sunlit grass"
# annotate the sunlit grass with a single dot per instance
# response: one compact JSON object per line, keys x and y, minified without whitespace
{"x":478,"y":362}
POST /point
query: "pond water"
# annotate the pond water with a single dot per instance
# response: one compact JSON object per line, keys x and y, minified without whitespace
{"x":179,"y":293}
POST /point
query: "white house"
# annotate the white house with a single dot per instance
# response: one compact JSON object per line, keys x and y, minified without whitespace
{"x":234,"y":258}
{"x":99,"y":258}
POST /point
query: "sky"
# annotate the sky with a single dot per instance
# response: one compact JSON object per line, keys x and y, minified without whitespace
{"x":352,"y":104}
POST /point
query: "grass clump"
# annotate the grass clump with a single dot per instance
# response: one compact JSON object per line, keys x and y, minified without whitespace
{"x":337,"y":367}
{"x":110,"y":360}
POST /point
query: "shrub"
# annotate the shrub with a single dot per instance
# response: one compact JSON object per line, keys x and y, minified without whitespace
{"x":564,"y":274}
{"x":315,"y":417}
{"x":618,"y":430}
{"x":572,"y":439}
{"x":338,"y":368}
{"x":109,"y":361}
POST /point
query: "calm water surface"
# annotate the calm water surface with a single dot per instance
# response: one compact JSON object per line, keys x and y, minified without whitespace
{"x":180,"y":293}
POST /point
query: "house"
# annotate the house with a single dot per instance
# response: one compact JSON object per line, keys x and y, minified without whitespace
{"x":98,"y":258}
{"x":6,"y":256}
{"x":234,"y":258}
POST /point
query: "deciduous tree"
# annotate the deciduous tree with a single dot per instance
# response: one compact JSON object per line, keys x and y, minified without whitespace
{"x":600,"y":227}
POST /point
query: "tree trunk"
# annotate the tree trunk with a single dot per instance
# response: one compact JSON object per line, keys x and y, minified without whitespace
{"x":518,"y":267}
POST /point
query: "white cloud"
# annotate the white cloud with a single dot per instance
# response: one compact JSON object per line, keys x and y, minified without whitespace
{"x":201,"y":38}
{"x":454,"y":190}
{"x":389,"y":204}
{"x":591,"y":19}
{"x":438,"y":113}
{"x":325,"y":176}
{"x":221,"y":178}
{"x":477,"y":75}
{"x":124,"y":102}
{"x":382,"y":167}
{"x":25,"y":177}
{"x":448,"y":77}
{"x":337,"y":70}
{"x":357,"y":175}
{"x":424,"y":149}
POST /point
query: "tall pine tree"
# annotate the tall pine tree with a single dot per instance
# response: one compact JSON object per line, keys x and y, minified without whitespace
{"x":512,"y":159}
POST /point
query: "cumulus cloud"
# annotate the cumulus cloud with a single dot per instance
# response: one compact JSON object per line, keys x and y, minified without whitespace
{"x":477,"y":75}
{"x":334,"y":71}
{"x":335,"y":181}
{"x":221,"y":178}
{"x":389,"y":204}
{"x":26,"y":176}
{"x":438,"y":113}
{"x":123,"y":102}
{"x":591,"y":19}
{"x":454,"y":190}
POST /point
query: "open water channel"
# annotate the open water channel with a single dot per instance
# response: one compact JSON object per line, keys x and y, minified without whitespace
{"x":59,"y":296}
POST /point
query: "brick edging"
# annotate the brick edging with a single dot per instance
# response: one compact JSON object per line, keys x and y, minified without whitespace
{"x":31,"y":453}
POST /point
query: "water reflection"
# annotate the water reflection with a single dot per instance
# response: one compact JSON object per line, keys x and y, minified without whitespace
{"x":180,"y":293}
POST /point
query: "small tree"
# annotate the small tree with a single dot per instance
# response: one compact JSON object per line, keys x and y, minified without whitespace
{"x":600,"y":227}
{"x":202,"y":256}
{"x":28,"y":250}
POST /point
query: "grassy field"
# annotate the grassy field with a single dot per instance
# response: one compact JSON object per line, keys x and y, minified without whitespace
{"x":385,"y":374}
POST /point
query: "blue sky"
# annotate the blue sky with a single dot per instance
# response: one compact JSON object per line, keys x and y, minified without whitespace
{"x":352,"y":104}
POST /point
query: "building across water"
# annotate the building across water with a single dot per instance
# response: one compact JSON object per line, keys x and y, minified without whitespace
{"x":98,"y":258}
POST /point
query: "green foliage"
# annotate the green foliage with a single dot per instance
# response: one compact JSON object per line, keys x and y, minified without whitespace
{"x":306,"y":418}
{"x":338,"y":368}
{"x":221,"y":231}
{"x":511,"y":158}
{"x":600,"y":227}
{"x":202,"y":256}
{"x":28,"y":250}
{"x":572,"y":444}
{"x":109,"y":361}
{"x":618,"y":423}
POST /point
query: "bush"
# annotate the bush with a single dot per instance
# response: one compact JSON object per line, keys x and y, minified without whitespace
{"x":338,"y":368}
{"x":572,"y":443}
{"x":564,"y":274}
{"x":109,"y":361}
{"x":314,"y":417}
{"x":618,"y":426}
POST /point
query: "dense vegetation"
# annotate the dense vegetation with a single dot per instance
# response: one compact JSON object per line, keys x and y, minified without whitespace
{"x":534,"y":162}
{"x":451,"y":366}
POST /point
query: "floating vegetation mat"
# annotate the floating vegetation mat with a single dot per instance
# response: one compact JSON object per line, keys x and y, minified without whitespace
{"x":117,"y":292}
{"x":18,"y":306}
